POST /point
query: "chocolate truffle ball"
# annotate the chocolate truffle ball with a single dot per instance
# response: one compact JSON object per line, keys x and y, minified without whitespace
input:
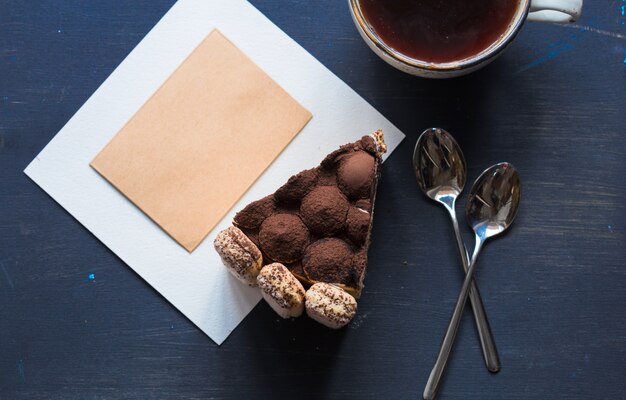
{"x":324,"y":210}
{"x":283,"y":237}
{"x":255,"y":213}
{"x":329,"y":260}
{"x":297,"y":186}
{"x":356,"y":174}
{"x":358,"y":225}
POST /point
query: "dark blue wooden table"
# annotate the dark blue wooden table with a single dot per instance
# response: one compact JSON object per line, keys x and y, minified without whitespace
{"x":76,"y":323}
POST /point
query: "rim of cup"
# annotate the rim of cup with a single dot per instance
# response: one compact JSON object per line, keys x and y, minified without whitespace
{"x":494,"y":49}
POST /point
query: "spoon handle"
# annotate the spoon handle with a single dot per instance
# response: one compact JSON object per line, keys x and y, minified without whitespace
{"x":490,"y":352}
{"x":430,"y":392}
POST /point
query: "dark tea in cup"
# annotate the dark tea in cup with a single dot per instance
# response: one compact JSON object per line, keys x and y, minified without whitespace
{"x":439,"y":31}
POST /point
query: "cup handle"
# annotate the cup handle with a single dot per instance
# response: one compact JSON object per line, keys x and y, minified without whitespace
{"x":559,"y":11}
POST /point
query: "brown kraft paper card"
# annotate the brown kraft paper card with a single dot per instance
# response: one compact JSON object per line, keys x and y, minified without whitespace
{"x":195,"y":147}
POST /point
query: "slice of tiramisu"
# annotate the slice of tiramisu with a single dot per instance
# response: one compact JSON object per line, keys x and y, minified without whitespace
{"x":317,"y":227}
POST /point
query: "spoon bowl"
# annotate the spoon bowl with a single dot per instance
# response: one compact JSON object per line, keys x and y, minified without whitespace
{"x":439,"y":165}
{"x":493,"y":201}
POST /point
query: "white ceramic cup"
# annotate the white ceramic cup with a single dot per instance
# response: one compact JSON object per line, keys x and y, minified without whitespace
{"x":559,"y":11}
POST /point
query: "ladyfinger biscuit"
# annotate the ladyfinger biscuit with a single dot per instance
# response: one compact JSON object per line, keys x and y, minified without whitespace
{"x":282,"y":291}
{"x":241,"y":257}
{"x":330,"y":305}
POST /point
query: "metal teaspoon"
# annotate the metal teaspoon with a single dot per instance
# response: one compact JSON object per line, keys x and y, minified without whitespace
{"x":440,"y":170}
{"x":491,"y":208}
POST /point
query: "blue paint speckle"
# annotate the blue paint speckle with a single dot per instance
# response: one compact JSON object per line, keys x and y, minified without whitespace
{"x":91,"y":277}
{"x":551,"y":54}
{"x":20,"y":370}
{"x":610,"y":227}
{"x":59,"y":31}
{"x":623,"y":9}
